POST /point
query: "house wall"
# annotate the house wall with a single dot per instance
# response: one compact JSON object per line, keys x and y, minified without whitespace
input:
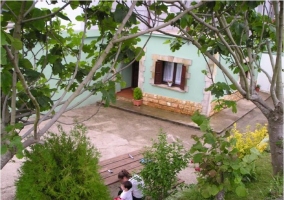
{"x":169,"y":98}
{"x":193,"y":98}
{"x":52,"y":83}
{"x":220,"y":77}
{"x":265,"y":64}
{"x":195,"y":81}
{"x":126,"y":75}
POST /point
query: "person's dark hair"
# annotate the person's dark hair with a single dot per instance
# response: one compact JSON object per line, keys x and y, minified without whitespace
{"x":124,"y":173}
{"x":127,"y":184}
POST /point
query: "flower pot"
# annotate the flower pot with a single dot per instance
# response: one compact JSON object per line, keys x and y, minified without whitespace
{"x":170,"y":84}
{"x":137,"y":102}
{"x":257,"y":89}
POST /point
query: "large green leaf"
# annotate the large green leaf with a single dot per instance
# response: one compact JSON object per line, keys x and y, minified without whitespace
{"x":62,"y":16}
{"x":74,"y":4}
{"x":3,"y":38}
{"x":3,"y":60}
{"x":17,"y":44}
{"x":198,"y":118}
{"x":119,"y":13}
{"x":197,"y":158}
{"x":183,"y":21}
{"x":32,"y":75}
{"x":6,"y":81}
{"x":241,"y":191}
{"x":198,"y":147}
{"x":209,"y":138}
{"x":214,"y":190}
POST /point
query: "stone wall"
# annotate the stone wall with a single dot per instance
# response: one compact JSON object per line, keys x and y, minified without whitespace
{"x":171,"y":104}
{"x":233,"y":97}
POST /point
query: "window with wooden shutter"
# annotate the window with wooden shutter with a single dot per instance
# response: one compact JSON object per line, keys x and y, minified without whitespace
{"x":183,"y":78}
{"x":166,"y":72}
{"x":158,"y":72}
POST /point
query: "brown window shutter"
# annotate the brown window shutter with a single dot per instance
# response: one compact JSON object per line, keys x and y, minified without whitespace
{"x":183,"y":77}
{"x":158,"y":72}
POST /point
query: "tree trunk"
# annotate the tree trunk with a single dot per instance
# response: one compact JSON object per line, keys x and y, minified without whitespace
{"x":5,"y":158}
{"x":275,"y":130}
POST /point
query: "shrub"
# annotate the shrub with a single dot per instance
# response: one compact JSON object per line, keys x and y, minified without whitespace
{"x":164,"y":161}
{"x":137,"y":93}
{"x":64,"y":167}
{"x":220,"y":167}
{"x":249,"y":139}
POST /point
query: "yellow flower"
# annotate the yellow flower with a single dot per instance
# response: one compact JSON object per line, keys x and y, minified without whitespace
{"x":249,"y":139}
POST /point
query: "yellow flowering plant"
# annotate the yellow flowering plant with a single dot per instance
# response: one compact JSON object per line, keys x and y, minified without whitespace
{"x":220,"y":167}
{"x":250,"y":139}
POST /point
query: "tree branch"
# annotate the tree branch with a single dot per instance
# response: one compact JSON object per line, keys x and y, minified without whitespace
{"x":4,"y":111}
{"x":277,"y":67}
{"x":24,"y":84}
{"x":50,"y":15}
{"x":12,"y":12}
{"x":279,"y":40}
{"x":15,"y":60}
{"x":75,"y":72}
{"x":29,"y":10}
{"x":160,"y":26}
{"x":90,"y":75}
{"x":240,"y":57}
{"x":194,"y":42}
{"x":267,"y":75}
{"x":270,"y":54}
{"x":132,"y":60}
{"x":2,"y":4}
{"x":249,"y":51}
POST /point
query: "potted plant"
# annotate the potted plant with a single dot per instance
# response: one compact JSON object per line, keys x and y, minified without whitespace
{"x":257,"y":87}
{"x":170,"y":83}
{"x":137,"y":97}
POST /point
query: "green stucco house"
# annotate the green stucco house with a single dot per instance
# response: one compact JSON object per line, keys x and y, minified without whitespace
{"x":174,"y":80}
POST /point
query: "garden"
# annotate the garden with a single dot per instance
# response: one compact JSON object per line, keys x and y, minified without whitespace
{"x":233,"y":165}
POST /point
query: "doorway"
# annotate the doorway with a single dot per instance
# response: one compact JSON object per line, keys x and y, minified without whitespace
{"x":135,"y":74}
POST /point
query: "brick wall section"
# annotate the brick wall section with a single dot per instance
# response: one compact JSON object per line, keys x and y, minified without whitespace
{"x":171,"y":104}
{"x":233,"y":97}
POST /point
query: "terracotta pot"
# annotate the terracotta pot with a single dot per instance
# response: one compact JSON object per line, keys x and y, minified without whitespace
{"x":257,"y":89}
{"x":137,"y":102}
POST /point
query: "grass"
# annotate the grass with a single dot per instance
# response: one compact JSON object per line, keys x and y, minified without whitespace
{"x":265,"y":187}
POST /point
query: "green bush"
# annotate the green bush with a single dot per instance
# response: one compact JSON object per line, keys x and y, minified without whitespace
{"x":137,"y":93}
{"x":64,"y":167}
{"x":163,"y":161}
{"x":220,"y":167}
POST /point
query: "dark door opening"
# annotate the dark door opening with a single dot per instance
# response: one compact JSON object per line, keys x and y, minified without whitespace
{"x":135,"y":74}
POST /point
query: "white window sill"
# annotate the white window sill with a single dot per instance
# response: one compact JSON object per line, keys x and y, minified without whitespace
{"x":173,"y":88}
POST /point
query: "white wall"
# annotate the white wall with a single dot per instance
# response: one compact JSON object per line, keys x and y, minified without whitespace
{"x":262,"y":79}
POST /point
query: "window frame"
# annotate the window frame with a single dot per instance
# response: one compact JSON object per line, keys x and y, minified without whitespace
{"x":174,"y":74}
{"x":159,"y":70}
{"x":186,"y":62}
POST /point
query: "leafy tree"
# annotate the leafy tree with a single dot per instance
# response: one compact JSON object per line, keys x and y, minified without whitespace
{"x":162,"y":162}
{"x":239,"y":34}
{"x":35,"y":42}
{"x":64,"y":167}
{"x":233,"y":29}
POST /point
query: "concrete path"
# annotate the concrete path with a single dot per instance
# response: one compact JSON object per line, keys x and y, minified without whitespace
{"x":220,"y":121}
{"x":115,"y":132}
